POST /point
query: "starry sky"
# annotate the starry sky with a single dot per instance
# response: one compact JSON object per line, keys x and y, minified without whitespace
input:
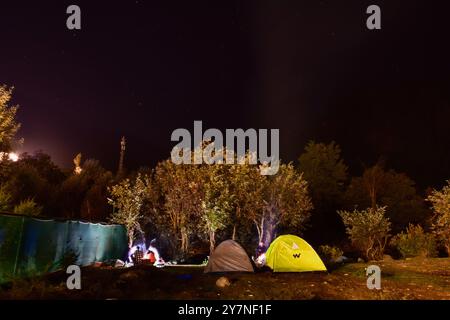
{"x":309,"y":68}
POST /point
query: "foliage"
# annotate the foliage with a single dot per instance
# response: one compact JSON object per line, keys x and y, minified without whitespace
{"x":181,"y":188}
{"x":8,"y":123}
{"x":5,"y":199}
{"x":440,"y":200}
{"x":286,"y":203}
{"x":330,"y":254}
{"x":368,"y":230}
{"x":246,"y":186}
{"x":326,"y":173}
{"x":396,"y":191}
{"x":32,"y":177}
{"x":127,"y":199}
{"x":84,"y":195}
{"x":216,"y":204}
{"x":415,"y":242}
{"x":28,"y":207}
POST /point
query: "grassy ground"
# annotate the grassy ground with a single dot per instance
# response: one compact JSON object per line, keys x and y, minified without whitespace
{"x":401,"y":279}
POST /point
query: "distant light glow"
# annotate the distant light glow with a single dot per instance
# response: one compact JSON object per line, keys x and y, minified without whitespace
{"x":13,"y":156}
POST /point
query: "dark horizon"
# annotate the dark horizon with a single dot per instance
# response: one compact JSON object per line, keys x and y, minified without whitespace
{"x":311,"y":69}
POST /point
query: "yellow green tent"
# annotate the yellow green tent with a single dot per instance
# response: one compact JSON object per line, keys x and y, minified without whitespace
{"x":290,"y":253}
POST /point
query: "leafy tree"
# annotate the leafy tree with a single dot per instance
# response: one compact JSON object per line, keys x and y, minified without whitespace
{"x":182,"y":191}
{"x":216,"y":204}
{"x":396,"y":191}
{"x":127,"y":199}
{"x":326,"y":173}
{"x":368,"y":230}
{"x":32,"y":177}
{"x":286,"y":204}
{"x":440,"y":200}
{"x":28,"y":207}
{"x":246,"y":187}
{"x":84,"y":195}
{"x":8,"y":123}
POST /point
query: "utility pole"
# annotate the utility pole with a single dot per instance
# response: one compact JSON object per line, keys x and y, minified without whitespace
{"x":122,"y":155}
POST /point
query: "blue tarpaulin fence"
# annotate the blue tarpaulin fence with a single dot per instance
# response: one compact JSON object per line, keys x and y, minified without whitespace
{"x":30,"y":246}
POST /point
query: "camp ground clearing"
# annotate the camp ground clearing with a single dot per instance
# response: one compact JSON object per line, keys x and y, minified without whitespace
{"x":401,"y":279}
{"x":293,"y":271}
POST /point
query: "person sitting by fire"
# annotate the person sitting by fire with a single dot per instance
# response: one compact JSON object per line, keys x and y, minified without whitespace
{"x":150,"y":256}
{"x":137,"y":256}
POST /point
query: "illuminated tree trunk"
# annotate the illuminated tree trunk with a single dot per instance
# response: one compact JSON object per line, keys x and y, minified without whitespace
{"x":130,"y":238}
{"x":267,"y":225}
{"x":238,"y":210}
{"x":184,"y":241}
{"x":212,"y":242}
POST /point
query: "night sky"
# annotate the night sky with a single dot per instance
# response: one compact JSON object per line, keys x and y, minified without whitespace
{"x":310,"y":68}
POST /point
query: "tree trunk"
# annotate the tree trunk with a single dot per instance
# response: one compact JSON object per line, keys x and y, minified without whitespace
{"x":373,"y":197}
{"x":184,"y":242}
{"x":130,"y":238}
{"x":212,"y":242}
{"x":268,"y":235}
{"x":267,"y":226}
{"x":238,"y":214}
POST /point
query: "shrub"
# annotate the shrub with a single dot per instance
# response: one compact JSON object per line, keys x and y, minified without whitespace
{"x":5,"y":199}
{"x":415,"y":242}
{"x":28,"y":208}
{"x":440,"y":200}
{"x":330,"y":254}
{"x":368,"y":230}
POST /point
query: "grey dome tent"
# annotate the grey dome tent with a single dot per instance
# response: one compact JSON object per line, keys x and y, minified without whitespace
{"x":229,"y":256}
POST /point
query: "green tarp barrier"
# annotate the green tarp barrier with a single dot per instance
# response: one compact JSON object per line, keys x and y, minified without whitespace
{"x":30,"y":246}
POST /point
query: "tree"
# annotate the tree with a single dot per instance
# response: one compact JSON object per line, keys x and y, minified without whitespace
{"x":8,"y":123}
{"x":182,"y":191}
{"x":440,"y":200}
{"x":127,"y":199}
{"x":326,"y":173}
{"x":32,"y":177}
{"x":84,"y":194}
{"x":286,"y":203}
{"x":368,"y":230}
{"x":216,"y":205}
{"x":246,"y":186}
{"x":396,"y":191}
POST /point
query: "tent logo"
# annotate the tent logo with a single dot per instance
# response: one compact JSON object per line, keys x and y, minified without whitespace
{"x":295,"y":246}
{"x":296,"y":255}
